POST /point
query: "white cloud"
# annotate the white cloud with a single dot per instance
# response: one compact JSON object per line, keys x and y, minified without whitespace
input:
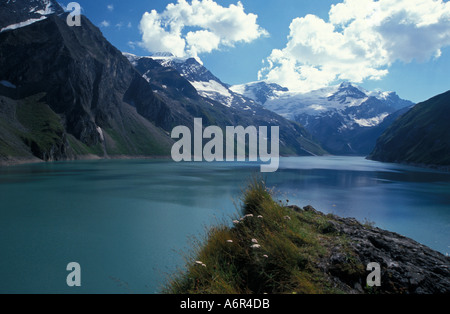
{"x":132,"y":45}
{"x":156,"y":38}
{"x":105,"y":24}
{"x":361,"y":40}
{"x":198,"y":27}
{"x":110,"y":7}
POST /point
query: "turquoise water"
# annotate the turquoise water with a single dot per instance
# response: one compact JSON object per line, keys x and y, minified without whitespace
{"x":127,"y":222}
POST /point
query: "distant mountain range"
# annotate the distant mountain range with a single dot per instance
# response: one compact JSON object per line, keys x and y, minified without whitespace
{"x":346,"y":119}
{"x":186,"y":79}
{"x":205,"y":83}
{"x":421,"y":136}
{"x":67,"y":93}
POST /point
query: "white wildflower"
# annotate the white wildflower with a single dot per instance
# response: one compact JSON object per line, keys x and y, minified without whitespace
{"x":200,"y":263}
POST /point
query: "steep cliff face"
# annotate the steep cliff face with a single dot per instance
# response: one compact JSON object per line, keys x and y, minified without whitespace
{"x":88,"y":84}
{"x":421,"y":136}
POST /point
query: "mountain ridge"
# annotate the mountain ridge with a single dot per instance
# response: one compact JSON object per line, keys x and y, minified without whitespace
{"x":172,"y":77}
{"x":13,"y":14}
{"x":338,"y":116}
{"x":419,"y":137}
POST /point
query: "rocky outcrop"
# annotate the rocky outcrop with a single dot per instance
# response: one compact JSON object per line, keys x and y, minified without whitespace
{"x":407,"y":267}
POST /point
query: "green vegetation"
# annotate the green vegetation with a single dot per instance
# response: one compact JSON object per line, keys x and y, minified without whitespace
{"x":82,"y":149}
{"x":144,"y":141}
{"x":272,"y":249}
{"x":28,"y":127}
{"x":45,"y":129}
{"x":7,"y":150}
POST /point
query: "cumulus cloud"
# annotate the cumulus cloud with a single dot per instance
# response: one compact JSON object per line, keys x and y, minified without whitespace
{"x":110,"y":7}
{"x":188,"y":29}
{"x":360,"y":41}
{"x":105,"y":24}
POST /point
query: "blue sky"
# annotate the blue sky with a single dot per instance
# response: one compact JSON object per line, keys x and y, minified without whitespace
{"x":379,"y":44}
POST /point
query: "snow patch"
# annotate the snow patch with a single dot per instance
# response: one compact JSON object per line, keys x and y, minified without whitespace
{"x":131,"y":57}
{"x":148,"y":79}
{"x":22,"y":24}
{"x":239,"y":89}
{"x":317,"y":107}
{"x":373,"y":121}
{"x":43,"y":12}
{"x":48,"y":9}
{"x":211,"y":87}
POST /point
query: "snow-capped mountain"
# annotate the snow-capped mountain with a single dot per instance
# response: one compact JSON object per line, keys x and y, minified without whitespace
{"x":260,"y":91}
{"x":195,"y":90}
{"x":339,"y":98}
{"x":16,"y":14}
{"x":335,"y":115}
{"x":206,"y":83}
{"x":345,"y":119}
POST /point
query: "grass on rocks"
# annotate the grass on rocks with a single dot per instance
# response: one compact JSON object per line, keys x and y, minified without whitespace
{"x":270,"y":248}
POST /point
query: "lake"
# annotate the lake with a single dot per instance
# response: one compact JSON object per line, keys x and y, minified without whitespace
{"x":128,"y":222}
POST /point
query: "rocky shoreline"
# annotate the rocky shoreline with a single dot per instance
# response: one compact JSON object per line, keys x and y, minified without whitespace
{"x":407,"y":267}
{"x":6,"y":162}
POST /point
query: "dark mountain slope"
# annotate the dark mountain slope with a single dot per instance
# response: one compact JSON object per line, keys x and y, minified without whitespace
{"x":364,"y":139}
{"x":87,"y":83}
{"x":421,"y":136}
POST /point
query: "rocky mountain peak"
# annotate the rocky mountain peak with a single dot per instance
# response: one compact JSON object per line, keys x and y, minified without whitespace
{"x":260,"y":91}
{"x":20,"y":13}
{"x":345,"y":91}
